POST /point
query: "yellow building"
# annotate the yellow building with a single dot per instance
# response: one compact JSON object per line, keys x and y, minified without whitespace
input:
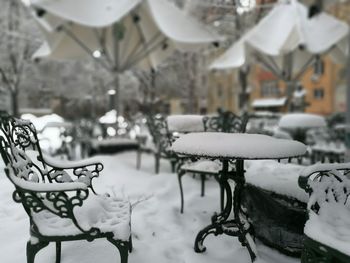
{"x":319,"y":89}
{"x":223,"y":91}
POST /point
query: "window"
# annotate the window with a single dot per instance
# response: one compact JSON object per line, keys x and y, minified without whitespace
{"x":318,"y":93}
{"x":270,"y":88}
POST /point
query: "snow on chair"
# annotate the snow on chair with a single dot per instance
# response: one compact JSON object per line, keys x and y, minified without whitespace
{"x":328,"y":227}
{"x":60,"y":201}
{"x":224,"y":121}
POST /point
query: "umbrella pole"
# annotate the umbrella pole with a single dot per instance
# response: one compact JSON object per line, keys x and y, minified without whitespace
{"x":347,"y":112}
{"x":290,"y":83}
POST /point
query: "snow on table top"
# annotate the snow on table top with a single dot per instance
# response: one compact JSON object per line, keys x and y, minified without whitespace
{"x":237,"y":145}
{"x":185,"y":123}
{"x":301,"y":120}
{"x":279,"y":178}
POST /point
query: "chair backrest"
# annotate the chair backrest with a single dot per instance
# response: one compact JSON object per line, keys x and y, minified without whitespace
{"x":158,"y":127}
{"x":21,"y":136}
{"x":225,"y":121}
{"x":33,"y":188}
{"x":326,"y":183}
{"x":16,"y":137}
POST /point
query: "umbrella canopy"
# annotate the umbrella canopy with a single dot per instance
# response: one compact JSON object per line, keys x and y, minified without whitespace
{"x":124,"y":32}
{"x":284,"y":30}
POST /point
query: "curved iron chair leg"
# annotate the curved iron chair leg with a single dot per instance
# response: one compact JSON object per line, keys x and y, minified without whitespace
{"x":33,"y":249}
{"x":202,"y":184}
{"x":123,"y":248}
{"x":179,"y":176}
{"x":58,"y":252}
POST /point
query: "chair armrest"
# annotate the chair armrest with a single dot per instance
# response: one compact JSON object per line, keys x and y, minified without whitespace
{"x":47,"y":187}
{"x":59,"y":164}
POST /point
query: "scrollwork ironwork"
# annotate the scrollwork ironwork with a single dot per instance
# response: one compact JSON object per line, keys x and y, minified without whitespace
{"x":225,"y":121}
{"x":324,"y":186}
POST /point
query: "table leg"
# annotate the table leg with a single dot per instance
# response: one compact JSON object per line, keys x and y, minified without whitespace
{"x":221,"y":224}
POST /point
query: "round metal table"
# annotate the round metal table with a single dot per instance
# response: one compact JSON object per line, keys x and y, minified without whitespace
{"x":238,"y":147}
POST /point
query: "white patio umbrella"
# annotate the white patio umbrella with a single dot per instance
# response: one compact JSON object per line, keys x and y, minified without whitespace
{"x":286,"y":41}
{"x":286,"y":29}
{"x":118,"y":34}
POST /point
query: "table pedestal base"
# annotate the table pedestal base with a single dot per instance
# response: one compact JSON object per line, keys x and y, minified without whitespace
{"x":221,"y":224}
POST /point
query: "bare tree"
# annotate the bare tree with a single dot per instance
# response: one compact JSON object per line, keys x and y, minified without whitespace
{"x":16,"y":51}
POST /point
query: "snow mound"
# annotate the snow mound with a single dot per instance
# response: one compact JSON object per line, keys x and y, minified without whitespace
{"x":276,"y":177}
{"x":105,"y":213}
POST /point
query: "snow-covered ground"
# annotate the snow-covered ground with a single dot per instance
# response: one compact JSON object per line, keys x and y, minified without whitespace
{"x":160,"y":233}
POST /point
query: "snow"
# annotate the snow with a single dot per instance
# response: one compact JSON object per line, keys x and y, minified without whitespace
{"x":41,"y":122}
{"x":161,"y":234}
{"x":110,"y":117}
{"x":109,"y":214}
{"x":55,"y":162}
{"x":113,"y":141}
{"x":301,"y":120}
{"x":279,"y":178}
{"x":48,"y":135}
{"x":324,"y":167}
{"x":299,"y":93}
{"x":273,"y":102}
{"x":331,"y":227}
{"x":237,"y":145}
{"x":41,"y":187}
{"x":203,"y":165}
{"x":331,"y":147}
{"x":185,"y":123}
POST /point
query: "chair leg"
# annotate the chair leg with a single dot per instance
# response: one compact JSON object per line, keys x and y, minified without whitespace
{"x":157,"y":159}
{"x":33,"y":249}
{"x":222,"y":198}
{"x":179,"y":177}
{"x":138,"y":159}
{"x":202,"y":184}
{"x":173,"y":165}
{"x":123,"y":248}
{"x":130,"y":244}
{"x":58,"y":252}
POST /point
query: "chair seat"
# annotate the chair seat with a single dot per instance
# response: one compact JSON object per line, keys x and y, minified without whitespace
{"x":203,"y":166}
{"x":108,"y":214}
{"x":331,"y":227}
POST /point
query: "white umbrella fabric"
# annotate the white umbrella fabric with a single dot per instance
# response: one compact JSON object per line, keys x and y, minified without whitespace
{"x":118,"y":34}
{"x":287,"y":29}
{"x":124,"y":32}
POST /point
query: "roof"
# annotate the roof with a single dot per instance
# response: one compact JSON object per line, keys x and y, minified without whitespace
{"x":272,"y":102}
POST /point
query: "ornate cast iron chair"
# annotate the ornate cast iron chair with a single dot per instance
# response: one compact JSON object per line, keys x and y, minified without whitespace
{"x":224,"y":121}
{"x":327,"y":229}
{"x":60,"y":201}
{"x":162,"y":140}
